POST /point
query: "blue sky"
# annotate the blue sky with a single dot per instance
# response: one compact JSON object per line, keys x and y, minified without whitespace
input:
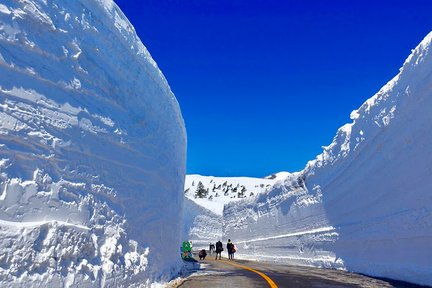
{"x":263,"y":84}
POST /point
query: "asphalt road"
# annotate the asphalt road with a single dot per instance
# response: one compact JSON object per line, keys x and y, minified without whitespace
{"x":221,"y":273}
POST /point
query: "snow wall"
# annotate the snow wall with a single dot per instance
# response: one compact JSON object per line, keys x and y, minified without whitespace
{"x":92,"y":150}
{"x":365,"y":203}
{"x":200,"y":225}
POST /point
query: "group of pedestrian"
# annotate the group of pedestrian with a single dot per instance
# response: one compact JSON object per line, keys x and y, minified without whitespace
{"x":202,"y":254}
{"x":231,"y":248}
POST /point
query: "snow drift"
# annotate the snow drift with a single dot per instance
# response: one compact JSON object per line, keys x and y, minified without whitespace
{"x":92,"y":149}
{"x":365,"y":203}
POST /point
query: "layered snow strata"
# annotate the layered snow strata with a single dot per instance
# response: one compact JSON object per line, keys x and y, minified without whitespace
{"x":92,"y":150}
{"x":365,"y":203}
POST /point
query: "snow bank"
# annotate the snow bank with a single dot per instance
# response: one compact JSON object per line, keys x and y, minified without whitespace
{"x":200,"y":225}
{"x":365,"y":203}
{"x":92,"y":150}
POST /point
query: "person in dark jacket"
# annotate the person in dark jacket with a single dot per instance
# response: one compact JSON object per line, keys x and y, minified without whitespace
{"x":219,"y":249}
{"x":230,"y":248}
{"x":202,"y":254}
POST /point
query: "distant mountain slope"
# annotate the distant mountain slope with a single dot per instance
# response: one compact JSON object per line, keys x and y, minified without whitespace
{"x":215,"y":192}
{"x":365,"y":203}
{"x":92,"y":150}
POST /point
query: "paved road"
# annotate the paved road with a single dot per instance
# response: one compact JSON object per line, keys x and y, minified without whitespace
{"x":222,"y":274}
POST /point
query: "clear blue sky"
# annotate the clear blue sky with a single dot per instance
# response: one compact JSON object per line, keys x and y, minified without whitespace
{"x":263,"y":84}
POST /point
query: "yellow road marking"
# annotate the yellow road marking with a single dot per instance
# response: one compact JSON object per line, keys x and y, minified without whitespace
{"x":269,"y":281}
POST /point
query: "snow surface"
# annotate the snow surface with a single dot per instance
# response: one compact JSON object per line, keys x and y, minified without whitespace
{"x":280,"y":176}
{"x":200,"y":225}
{"x":92,"y":150}
{"x":365,"y":203}
{"x":222,"y":190}
{"x":203,"y":219}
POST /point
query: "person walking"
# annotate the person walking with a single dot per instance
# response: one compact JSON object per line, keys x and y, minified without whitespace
{"x":219,"y":249}
{"x":230,"y":248}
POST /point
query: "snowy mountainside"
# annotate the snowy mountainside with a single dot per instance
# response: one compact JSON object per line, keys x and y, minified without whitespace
{"x":215,"y":192}
{"x":365,"y":203}
{"x":92,"y":150}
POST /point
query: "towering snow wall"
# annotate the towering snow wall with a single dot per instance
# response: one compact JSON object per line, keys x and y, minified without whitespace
{"x":92,"y":150}
{"x":365,"y":203}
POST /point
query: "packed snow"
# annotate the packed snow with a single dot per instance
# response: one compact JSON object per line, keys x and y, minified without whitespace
{"x":92,"y":150}
{"x":365,"y":203}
